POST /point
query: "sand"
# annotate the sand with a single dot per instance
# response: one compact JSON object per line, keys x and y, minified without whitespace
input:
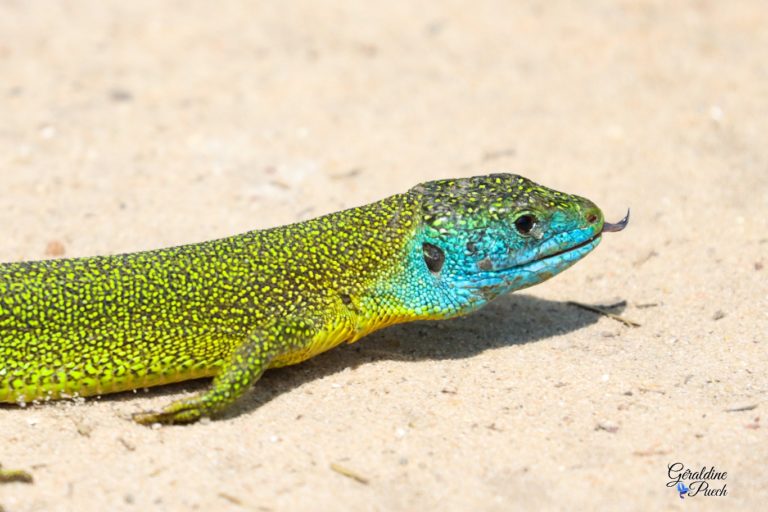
{"x":135,"y":125}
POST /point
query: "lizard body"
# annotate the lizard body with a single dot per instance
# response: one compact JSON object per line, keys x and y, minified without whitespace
{"x":234,"y":307}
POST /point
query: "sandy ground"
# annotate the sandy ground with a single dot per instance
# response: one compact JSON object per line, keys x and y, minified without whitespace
{"x":135,"y":125}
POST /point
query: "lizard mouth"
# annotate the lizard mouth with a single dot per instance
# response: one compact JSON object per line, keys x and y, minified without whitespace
{"x":574,"y":248}
{"x":586,"y":246}
{"x":608,"y":227}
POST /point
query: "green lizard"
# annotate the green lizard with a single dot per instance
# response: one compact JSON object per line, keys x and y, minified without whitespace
{"x":234,"y":307}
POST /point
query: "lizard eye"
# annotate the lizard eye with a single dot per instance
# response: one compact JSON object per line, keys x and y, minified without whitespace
{"x":434,"y":257}
{"x":525,"y":223}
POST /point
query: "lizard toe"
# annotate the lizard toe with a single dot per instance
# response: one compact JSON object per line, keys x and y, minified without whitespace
{"x":177,"y":413}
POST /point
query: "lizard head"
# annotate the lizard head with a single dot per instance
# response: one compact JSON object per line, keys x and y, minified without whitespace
{"x":485,"y":236}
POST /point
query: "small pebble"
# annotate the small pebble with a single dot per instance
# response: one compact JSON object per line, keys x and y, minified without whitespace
{"x":55,"y":248}
{"x":716,"y":113}
{"x":607,"y":426}
{"x":120,"y":95}
{"x":47,"y":132}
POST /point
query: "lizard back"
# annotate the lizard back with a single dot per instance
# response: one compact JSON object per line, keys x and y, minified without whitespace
{"x":109,"y":323}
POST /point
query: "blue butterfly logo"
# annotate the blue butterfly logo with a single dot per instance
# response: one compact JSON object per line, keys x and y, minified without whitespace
{"x":682,"y":489}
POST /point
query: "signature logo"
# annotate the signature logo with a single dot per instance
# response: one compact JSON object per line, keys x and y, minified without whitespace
{"x":703,"y":482}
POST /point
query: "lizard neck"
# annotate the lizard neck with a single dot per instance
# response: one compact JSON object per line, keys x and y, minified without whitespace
{"x":412,"y":292}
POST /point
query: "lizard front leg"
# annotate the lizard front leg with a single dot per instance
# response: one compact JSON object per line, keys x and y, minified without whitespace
{"x":247,"y":364}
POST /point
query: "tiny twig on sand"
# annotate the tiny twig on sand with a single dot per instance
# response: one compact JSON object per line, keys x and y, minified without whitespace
{"x":14,"y":475}
{"x":349,"y":473}
{"x":741,"y":408}
{"x":601,"y":310}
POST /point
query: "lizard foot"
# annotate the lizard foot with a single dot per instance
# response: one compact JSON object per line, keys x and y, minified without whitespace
{"x":246,"y":365}
{"x":180,"y":412}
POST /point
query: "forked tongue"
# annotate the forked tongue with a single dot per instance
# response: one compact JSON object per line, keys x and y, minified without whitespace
{"x":609,"y":227}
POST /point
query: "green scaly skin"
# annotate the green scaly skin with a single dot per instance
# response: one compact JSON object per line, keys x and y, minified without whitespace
{"x":232,"y":308}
